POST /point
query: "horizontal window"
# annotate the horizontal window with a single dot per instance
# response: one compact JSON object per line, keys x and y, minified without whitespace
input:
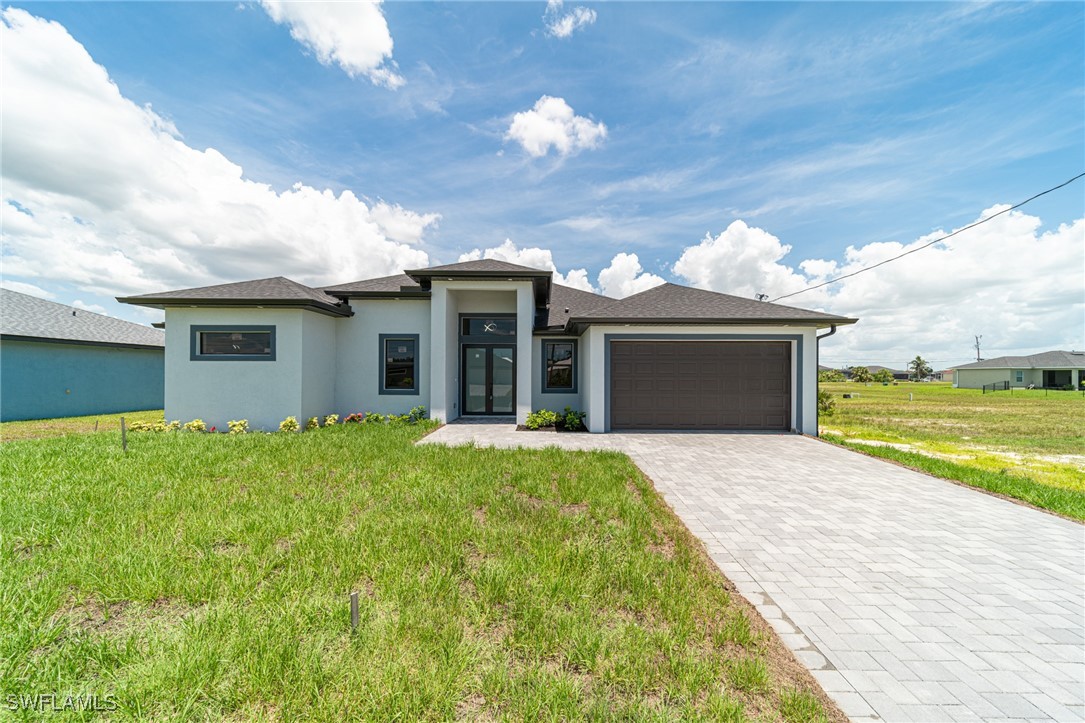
{"x":399,"y":364}
{"x":559,"y":366}
{"x":495,"y":327}
{"x":251,"y":343}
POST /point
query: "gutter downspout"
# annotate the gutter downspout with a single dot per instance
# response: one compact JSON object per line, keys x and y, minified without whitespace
{"x":817,"y":365}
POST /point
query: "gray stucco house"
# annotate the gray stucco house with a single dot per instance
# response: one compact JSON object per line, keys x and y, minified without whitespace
{"x":1049,"y":369}
{"x":60,"y":361}
{"x":488,"y":338}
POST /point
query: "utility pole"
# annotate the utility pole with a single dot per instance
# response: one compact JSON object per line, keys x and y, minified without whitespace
{"x":977,"y":345}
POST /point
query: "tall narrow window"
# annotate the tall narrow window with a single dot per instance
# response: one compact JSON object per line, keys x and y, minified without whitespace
{"x":559,"y":366}
{"x":399,"y":364}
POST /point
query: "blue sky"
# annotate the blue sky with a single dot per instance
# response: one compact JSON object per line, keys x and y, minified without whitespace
{"x":826,"y":125}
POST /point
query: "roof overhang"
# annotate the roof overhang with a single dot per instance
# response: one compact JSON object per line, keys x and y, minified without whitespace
{"x":417,"y":294}
{"x":576,"y":325}
{"x":541,"y":280}
{"x":80,"y":342}
{"x":174,"y":302}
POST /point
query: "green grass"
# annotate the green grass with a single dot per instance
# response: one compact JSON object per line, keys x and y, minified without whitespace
{"x":41,"y":428}
{"x":1069,"y":503}
{"x":1031,"y":434}
{"x":207,"y":577}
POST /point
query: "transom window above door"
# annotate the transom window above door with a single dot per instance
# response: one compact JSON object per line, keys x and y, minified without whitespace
{"x":481,"y":326}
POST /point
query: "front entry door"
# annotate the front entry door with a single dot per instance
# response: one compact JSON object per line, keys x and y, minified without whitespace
{"x":489,"y":379}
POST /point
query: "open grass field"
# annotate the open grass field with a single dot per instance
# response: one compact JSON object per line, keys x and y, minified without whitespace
{"x":206,"y":577}
{"x":1028,"y":444}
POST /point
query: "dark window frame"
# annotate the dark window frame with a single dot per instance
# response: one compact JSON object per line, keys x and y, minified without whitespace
{"x":546,"y":388}
{"x":488,"y":338}
{"x":382,"y":349}
{"x":195,"y":330}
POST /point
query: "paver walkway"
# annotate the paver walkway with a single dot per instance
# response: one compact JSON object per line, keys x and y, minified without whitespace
{"x":910,"y":598}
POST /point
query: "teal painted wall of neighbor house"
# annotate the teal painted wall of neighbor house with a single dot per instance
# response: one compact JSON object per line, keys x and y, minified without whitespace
{"x":41,"y":380}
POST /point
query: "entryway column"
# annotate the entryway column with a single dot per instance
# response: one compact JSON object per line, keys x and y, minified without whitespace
{"x":525,"y":324}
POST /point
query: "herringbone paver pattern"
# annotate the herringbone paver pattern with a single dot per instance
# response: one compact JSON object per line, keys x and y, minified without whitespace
{"x":910,"y":598}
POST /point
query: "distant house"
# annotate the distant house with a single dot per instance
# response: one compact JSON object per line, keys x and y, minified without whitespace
{"x":59,"y":361}
{"x":1050,"y":369}
{"x":897,"y":373}
{"x":946,"y":375}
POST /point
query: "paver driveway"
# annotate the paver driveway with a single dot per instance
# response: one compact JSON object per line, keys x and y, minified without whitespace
{"x":909,"y":597}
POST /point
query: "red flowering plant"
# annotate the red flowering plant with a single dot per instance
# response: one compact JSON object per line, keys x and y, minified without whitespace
{"x":355,"y":418}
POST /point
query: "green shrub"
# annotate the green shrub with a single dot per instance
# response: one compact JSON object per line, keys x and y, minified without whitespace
{"x":831,"y":375}
{"x":238,"y":426}
{"x":173,"y":426}
{"x":573,"y":420}
{"x":312,"y":424}
{"x":826,"y":403}
{"x":416,"y":415}
{"x":541,"y":418}
{"x":331,"y":420}
{"x":290,"y":424}
{"x":196,"y":425}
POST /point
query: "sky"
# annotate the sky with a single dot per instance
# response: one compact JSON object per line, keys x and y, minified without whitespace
{"x":746,"y":148}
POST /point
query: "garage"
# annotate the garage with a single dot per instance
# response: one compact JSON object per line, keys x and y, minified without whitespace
{"x":741,"y":385}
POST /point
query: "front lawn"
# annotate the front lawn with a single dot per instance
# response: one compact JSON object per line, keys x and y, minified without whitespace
{"x":207,"y":576}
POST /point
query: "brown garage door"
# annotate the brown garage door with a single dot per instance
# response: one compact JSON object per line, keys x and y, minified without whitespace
{"x":700,"y":385}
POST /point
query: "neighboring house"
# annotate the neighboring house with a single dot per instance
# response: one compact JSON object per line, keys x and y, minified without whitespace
{"x":1050,"y":369}
{"x":946,"y":375}
{"x":897,"y":373}
{"x":488,"y":338}
{"x":59,"y":361}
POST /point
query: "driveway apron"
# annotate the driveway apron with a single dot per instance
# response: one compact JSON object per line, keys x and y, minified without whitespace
{"x":910,"y":598}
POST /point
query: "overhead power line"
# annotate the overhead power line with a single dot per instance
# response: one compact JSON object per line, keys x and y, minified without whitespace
{"x":932,"y":243}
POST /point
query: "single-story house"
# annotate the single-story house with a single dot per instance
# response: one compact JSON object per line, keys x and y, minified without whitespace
{"x":488,"y":338}
{"x":60,"y":361}
{"x":1049,"y":369}
{"x":946,"y":375}
{"x":897,"y":373}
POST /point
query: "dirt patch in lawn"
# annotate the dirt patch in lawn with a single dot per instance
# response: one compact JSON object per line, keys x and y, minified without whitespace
{"x":124,"y":617}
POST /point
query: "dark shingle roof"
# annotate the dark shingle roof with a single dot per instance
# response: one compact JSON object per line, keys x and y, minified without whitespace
{"x":480,"y":266}
{"x":675,"y":304}
{"x":576,"y":301}
{"x":276,"y":291}
{"x":400,"y":283}
{"x":27,"y":316}
{"x":1043,"y":360}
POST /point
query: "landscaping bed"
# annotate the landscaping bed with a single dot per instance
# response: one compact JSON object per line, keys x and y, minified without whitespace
{"x":207,"y":576}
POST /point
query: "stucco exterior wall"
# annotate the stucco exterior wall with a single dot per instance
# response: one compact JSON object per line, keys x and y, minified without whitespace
{"x":318,"y":352}
{"x":216,"y":391}
{"x":803,"y":364}
{"x":359,"y":362}
{"x":41,"y":380}
{"x":554,"y":401}
{"x":449,"y":299}
{"x":976,"y":378}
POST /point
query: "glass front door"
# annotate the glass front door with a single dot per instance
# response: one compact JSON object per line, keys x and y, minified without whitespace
{"x":489,"y":379}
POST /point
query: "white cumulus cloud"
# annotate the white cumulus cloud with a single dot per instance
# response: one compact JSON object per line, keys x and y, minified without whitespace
{"x":563,"y":24}
{"x":354,"y":35}
{"x":535,"y":258}
{"x":1022,"y":289}
{"x":742,"y":260}
{"x":552,"y":124}
{"x":625,"y":277}
{"x":102,"y":195}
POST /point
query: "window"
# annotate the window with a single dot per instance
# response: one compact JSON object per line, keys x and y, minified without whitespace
{"x":488,"y":327}
{"x":1019,"y":376}
{"x":232,"y":343}
{"x":399,"y":364}
{"x":559,"y":366}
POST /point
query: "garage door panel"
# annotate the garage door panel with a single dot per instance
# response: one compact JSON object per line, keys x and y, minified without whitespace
{"x":700,"y":385}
